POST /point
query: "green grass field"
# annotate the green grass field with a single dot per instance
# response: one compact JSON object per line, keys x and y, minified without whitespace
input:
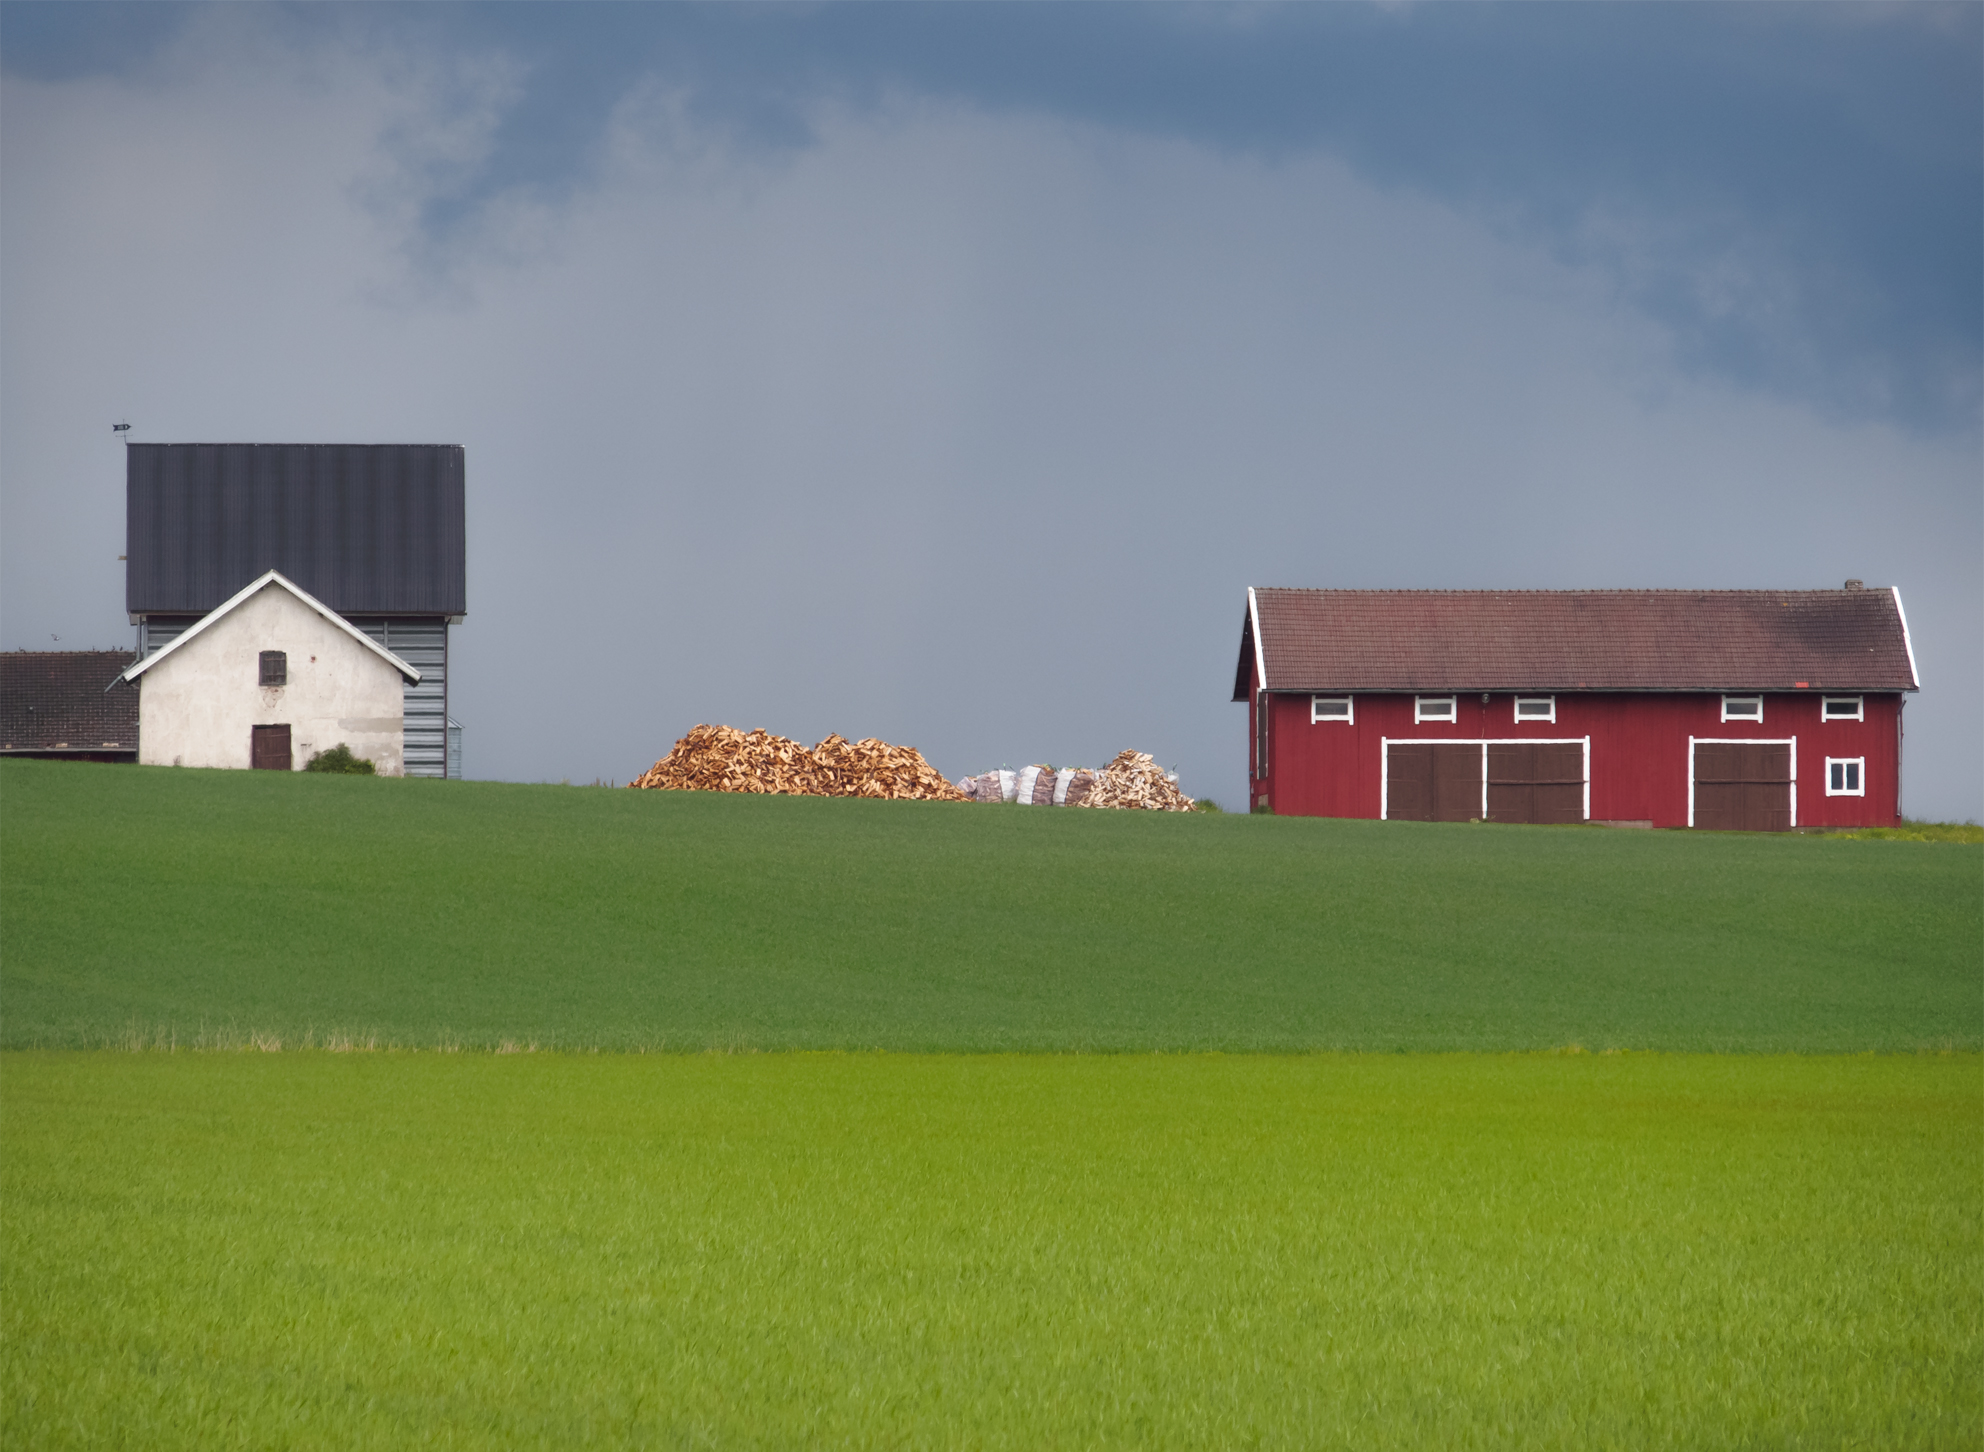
{"x":374,"y":1250}
{"x":144,"y":905}
{"x":1777,"y":1243}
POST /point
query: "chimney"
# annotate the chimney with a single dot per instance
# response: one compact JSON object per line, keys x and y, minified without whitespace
{"x":1855,"y":585}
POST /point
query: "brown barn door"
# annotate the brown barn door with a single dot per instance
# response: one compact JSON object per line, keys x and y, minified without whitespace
{"x":271,"y":749}
{"x":1743,"y":786}
{"x":1536,"y":781}
{"x":1426,"y":782}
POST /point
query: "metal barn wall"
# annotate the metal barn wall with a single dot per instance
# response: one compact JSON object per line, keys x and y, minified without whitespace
{"x":422,"y":644}
{"x":1639,"y":751}
{"x":366,"y":528}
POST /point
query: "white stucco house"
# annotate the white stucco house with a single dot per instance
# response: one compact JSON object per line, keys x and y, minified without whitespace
{"x":266,"y":679}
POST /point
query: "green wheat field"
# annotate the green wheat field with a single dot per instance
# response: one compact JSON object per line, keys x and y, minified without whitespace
{"x":358,"y":1113}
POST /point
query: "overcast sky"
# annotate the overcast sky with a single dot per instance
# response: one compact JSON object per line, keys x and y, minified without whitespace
{"x":947,"y":373}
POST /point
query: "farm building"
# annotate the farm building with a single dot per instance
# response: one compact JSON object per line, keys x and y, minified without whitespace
{"x":266,"y":679}
{"x":1753,"y":710}
{"x":67,"y":705}
{"x":283,"y":558}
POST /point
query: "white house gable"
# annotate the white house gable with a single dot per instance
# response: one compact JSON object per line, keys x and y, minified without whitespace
{"x":203,"y":698}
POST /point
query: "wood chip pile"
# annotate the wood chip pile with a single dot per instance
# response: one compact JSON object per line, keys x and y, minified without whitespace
{"x":1134,"y":781}
{"x":871,"y":768}
{"x":1131,"y":781}
{"x":724,"y":759}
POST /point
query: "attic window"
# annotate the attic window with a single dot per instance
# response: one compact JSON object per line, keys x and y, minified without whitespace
{"x":1844,"y":708}
{"x":1432,"y":708}
{"x":1536,"y":708}
{"x":1742,"y":708}
{"x":1330,"y":708}
{"x":275,"y":668}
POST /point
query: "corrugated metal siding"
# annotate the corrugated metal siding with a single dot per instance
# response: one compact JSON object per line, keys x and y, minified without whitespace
{"x":366,"y":528}
{"x":156,"y":632}
{"x":422,"y":644}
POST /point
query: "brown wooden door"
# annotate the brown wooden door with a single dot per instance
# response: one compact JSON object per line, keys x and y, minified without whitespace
{"x":271,"y":749}
{"x":1432,"y":782}
{"x":1743,"y":786}
{"x":1536,"y":781}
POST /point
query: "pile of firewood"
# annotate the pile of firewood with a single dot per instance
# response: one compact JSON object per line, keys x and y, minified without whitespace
{"x":724,"y":759}
{"x":1133,"y":780}
{"x":871,"y":768}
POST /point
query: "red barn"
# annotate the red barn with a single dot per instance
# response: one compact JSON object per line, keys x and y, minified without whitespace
{"x":1757,"y":710}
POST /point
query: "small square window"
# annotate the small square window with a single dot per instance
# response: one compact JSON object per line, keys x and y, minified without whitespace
{"x":1536,"y":708}
{"x":1843,"y":708}
{"x":1742,"y":708}
{"x":1433,"y":708}
{"x":1846,"y":776}
{"x":1330,"y":708}
{"x":275,"y":668}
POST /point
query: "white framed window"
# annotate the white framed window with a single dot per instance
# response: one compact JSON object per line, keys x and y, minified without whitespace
{"x":1433,"y":708}
{"x":1536,"y":708}
{"x":1742,"y":708}
{"x":1843,"y":708}
{"x":1331,"y":708}
{"x":1846,"y":776}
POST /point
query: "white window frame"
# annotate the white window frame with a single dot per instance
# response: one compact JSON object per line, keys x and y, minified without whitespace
{"x":1727,"y":716}
{"x":1549,"y":708}
{"x":1420,"y":703}
{"x":1859,"y":765}
{"x":1348,"y":718}
{"x":1858,"y":703}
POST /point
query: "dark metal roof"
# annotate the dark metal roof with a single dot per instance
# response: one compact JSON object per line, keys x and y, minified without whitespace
{"x":376,"y":529}
{"x":56,"y":700}
{"x":1579,"y":640}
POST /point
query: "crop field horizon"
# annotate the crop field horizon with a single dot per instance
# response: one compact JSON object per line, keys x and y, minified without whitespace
{"x":153,"y":907}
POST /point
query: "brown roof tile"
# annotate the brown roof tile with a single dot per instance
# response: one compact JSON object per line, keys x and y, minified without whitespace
{"x":56,"y":698}
{"x":1568,"y":640}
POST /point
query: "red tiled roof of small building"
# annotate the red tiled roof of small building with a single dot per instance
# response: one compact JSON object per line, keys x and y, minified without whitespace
{"x":55,"y":699}
{"x":1580,"y":640}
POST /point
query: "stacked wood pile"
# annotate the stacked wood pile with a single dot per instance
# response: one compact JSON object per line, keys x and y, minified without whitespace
{"x":1136,"y":782}
{"x":1132,"y":780}
{"x":871,"y":768}
{"x":724,"y":759}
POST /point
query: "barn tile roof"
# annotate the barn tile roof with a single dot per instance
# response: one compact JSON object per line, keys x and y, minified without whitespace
{"x":52,"y":699}
{"x":1571,"y":640}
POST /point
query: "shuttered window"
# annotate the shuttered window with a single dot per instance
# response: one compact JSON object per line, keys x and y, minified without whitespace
{"x":275,"y":668}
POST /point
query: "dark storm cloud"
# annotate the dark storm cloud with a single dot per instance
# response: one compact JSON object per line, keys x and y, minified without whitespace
{"x":1794,"y":192}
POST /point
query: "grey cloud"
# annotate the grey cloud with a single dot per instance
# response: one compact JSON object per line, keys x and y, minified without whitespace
{"x":1794,"y":192}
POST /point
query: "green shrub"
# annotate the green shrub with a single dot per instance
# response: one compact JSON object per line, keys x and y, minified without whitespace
{"x":339,"y":759}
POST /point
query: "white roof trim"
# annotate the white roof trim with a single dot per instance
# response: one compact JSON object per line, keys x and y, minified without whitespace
{"x":1913,"y":674}
{"x":1260,"y":654}
{"x":255,"y":587}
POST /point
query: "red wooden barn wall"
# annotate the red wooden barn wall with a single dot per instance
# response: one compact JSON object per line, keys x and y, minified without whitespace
{"x":1639,"y":750}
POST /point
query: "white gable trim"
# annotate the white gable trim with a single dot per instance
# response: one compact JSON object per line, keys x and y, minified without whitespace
{"x":1260,"y":651}
{"x":1913,"y":674}
{"x":254,"y":587}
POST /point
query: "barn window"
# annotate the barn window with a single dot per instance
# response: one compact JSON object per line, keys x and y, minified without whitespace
{"x":275,"y":668}
{"x":1742,"y":708}
{"x":1846,"y":776}
{"x":1433,"y":708}
{"x":1536,"y":708}
{"x":1843,"y":708}
{"x":1330,"y":708}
